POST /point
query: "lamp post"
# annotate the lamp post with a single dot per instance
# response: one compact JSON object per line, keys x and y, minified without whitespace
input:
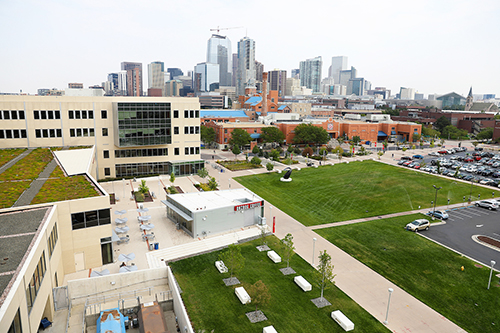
{"x":388,"y":303}
{"x":491,"y":272}
{"x":435,"y":198}
{"x":314,"y":245}
{"x":229,"y":181}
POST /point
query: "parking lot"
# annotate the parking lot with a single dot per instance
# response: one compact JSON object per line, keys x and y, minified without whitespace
{"x":462,"y":224}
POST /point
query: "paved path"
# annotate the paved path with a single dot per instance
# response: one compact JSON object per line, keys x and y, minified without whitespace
{"x":14,"y":160}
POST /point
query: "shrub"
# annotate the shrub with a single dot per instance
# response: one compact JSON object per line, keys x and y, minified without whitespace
{"x":255,"y":160}
{"x":307,"y":151}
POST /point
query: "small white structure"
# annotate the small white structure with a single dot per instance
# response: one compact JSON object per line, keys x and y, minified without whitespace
{"x":220,"y":266}
{"x":302,"y":283}
{"x":242,"y":295}
{"x":274,"y":256}
{"x":269,"y":329}
{"x":342,"y":320}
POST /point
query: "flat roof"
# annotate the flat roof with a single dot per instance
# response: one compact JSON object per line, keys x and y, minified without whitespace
{"x":75,"y":161}
{"x":243,"y":124}
{"x":215,"y":199}
{"x":18,"y":229}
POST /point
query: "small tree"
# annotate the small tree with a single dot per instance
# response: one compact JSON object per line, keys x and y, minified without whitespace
{"x":212,"y":184}
{"x":255,"y":160}
{"x":274,"y":154}
{"x":269,"y":166}
{"x":356,"y":139}
{"x":172,"y":178}
{"x":263,"y":235}
{"x":203,"y":173}
{"x":307,"y":151}
{"x":236,"y":150}
{"x":288,"y":248}
{"x":255,"y":149}
{"x":289,"y":149}
{"x":475,"y":143}
{"x":380,"y":154}
{"x":325,"y":270}
{"x":143,"y":188}
{"x":259,"y":293}
{"x":233,"y":259}
{"x":404,"y":149}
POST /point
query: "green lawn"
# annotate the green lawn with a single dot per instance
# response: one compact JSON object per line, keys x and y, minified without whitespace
{"x":213,"y":306}
{"x":8,"y":154}
{"x":424,"y":269}
{"x":30,"y":166}
{"x":355,"y":190}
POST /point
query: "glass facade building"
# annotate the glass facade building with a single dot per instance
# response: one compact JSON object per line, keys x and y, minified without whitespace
{"x":181,"y":168}
{"x":310,"y":73}
{"x":143,"y":124}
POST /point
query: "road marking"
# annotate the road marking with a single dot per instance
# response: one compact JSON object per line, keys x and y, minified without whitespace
{"x":461,"y":214}
{"x":479,"y":225}
{"x":477,"y":212}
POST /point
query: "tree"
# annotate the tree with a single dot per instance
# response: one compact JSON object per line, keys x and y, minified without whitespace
{"x":240,"y":138}
{"x":207,"y":135}
{"x":308,"y":133}
{"x":255,"y":160}
{"x":172,"y":178}
{"x":486,"y":133}
{"x":325,"y":270}
{"x":339,"y":151}
{"x":340,"y":140}
{"x":288,"y":248}
{"x":430,"y":132}
{"x":269,"y":166}
{"x":259,"y":293}
{"x":475,"y":143}
{"x":143,"y":188}
{"x":454,"y":133}
{"x":203,"y":173}
{"x":274,"y":154}
{"x":290,"y":149}
{"x":263,"y":235}
{"x":255,"y":149}
{"x":438,"y":165}
{"x":380,"y":154}
{"x":441,"y":123}
{"x":272,"y":134}
{"x":307,"y":151}
{"x":236,"y":150}
{"x":233,"y":259}
{"x":356,"y":139}
{"x":212,"y":184}
{"x":416,"y":137}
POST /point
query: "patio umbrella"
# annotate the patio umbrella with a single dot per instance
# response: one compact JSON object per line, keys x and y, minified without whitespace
{"x":143,"y":210}
{"x":101,"y":273}
{"x":126,"y":269}
{"x":147,"y":226}
{"x":145,"y":218}
{"x":126,"y":257}
{"x":120,"y":212}
{"x":121,"y":220}
{"x":122,"y":230}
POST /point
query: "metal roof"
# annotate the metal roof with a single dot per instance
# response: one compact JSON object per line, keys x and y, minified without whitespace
{"x":222,"y":113}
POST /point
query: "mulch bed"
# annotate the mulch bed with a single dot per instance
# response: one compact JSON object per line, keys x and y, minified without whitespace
{"x":263,"y":248}
{"x":490,"y":241}
{"x":256,"y":316}
{"x":320,"y":302}
{"x":287,"y":271}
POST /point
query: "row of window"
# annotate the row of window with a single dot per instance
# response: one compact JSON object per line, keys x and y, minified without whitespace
{"x":48,"y":133}
{"x":191,"y":150}
{"x":190,"y":114}
{"x":83,"y":114}
{"x":13,"y":134}
{"x":42,"y":114}
{"x":52,"y":241}
{"x":124,"y":153}
{"x":12,"y":114}
{"x":79,"y":132}
{"x":191,"y":129}
{"x":91,"y":218}
{"x":138,"y":169}
{"x":36,"y":281}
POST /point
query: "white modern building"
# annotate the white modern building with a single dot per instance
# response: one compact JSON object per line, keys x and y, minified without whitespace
{"x":206,"y":74}
{"x":246,"y":76}
{"x":156,"y":75}
{"x":338,"y":64}
{"x":310,"y":73}
{"x":219,"y":52}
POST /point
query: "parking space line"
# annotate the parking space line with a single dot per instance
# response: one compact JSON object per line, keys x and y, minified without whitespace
{"x":455,"y":217}
{"x":462,"y":214}
{"x":477,"y":212}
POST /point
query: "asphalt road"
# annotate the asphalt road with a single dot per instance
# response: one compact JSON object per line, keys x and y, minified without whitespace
{"x":464,"y":223}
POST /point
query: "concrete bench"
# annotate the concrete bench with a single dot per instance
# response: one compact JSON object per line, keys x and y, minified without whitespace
{"x":274,"y":256}
{"x":220,"y":266}
{"x":242,"y":295}
{"x":269,"y":329}
{"x":342,"y":320}
{"x":302,"y":283}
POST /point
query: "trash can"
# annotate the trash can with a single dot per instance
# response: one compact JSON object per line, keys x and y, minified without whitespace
{"x":157,"y":246}
{"x":151,"y":246}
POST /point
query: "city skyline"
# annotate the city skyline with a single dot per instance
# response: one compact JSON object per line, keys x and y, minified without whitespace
{"x":435,"y":47}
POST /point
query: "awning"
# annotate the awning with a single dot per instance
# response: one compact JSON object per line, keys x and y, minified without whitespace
{"x":380,"y":133}
{"x":255,"y":135}
{"x":114,"y":236}
{"x":177,"y":210}
{"x":393,"y":132}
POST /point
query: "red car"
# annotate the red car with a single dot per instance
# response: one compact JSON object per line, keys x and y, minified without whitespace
{"x":444,"y":152}
{"x":468,"y":159}
{"x":478,"y":158}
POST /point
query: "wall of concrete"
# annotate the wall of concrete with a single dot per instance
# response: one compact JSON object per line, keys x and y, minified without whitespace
{"x":179,"y":308}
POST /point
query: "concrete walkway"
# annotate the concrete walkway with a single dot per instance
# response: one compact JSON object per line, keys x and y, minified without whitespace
{"x":35,"y":186}
{"x":14,"y":160}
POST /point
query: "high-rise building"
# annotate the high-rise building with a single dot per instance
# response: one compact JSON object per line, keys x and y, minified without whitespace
{"x":134,"y":78}
{"x":406,"y":93}
{"x":310,"y":73}
{"x":259,"y":70}
{"x":277,"y":81}
{"x":172,"y":88}
{"x":246,"y":65}
{"x":121,"y":89}
{"x":173,"y":73}
{"x":356,"y":86}
{"x":345,"y":76}
{"x":234,"y":76}
{"x":156,"y":75}
{"x":219,"y":52}
{"x":296,"y":73}
{"x":207,"y":77}
{"x":338,"y":64}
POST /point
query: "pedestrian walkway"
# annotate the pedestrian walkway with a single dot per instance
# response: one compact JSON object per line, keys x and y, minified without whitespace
{"x":15,"y":160}
{"x":35,"y":186}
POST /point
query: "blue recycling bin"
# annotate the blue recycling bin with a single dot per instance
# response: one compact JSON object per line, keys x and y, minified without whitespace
{"x":157,"y":246}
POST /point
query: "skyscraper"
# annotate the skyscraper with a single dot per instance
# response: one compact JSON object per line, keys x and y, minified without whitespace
{"x":207,"y":77}
{"x":338,"y":64}
{"x":173,"y":73}
{"x":234,"y":75}
{"x":246,"y":65}
{"x":346,"y":75}
{"x":310,"y":73}
{"x":219,"y":52}
{"x":277,"y":81}
{"x":296,"y":73}
{"x":134,"y":78}
{"x":156,"y":75}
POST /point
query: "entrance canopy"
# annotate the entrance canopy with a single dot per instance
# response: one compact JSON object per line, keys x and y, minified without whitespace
{"x":380,"y":133}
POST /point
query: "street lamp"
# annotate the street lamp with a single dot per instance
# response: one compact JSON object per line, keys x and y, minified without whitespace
{"x":229,"y":181}
{"x":491,"y":272}
{"x":314,"y":245}
{"x":435,"y":198}
{"x":388,"y":303}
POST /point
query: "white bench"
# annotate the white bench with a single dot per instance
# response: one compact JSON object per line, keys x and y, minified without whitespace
{"x":220,"y":266}
{"x":302,"y":283}
{"x":269,"y":329}
{"x":342,"y":320}
{"x":274,"y":256}
{"x":242,"y":295}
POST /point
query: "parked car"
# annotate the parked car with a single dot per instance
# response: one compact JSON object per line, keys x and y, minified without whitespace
{"x":406,"y":158}
{"x":434,"y":153}
{"x":420,"y":224}
{"x":478,"y":149}
{"x":490,"y":204}
{"x":443,"y":152}
{"x":439,"y":214}
{"x":419,"y":157}
{"x":468,"y":160}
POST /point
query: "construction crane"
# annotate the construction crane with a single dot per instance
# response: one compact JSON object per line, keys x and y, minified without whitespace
{"x":218,"y":29}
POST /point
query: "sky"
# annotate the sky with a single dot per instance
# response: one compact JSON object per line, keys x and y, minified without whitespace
{"x":433,"y":46}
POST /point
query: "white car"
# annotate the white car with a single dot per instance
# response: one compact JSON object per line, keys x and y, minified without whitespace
{"x":490,"y":204}
{"x":434,"y":153}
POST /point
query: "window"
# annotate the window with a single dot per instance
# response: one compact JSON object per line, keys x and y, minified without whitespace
{"x":52,"y":241}
{"x":36,"y":281}
{"x":91,"y":114}
{"x":36,"y":114}
{"x":107,"y":172}
{"x":71,"y":132}
{"x":105,"y":153}
{"x":191,"y":150}
{"x":78,"y":132}
{"x":57,"y":114}
{"x":50,"y":114}
{"x":13,"y":115}
{"x":23,"y":134}
{"x":15,"y":327}
{"x":52,"y":133}
{"x":191,"y":130}
{"x":16,"y":134}
{"x":197,"y":129}
{"x":2,"y":134}
{"x":104,"y":114}
{"x":90,"y":218}
{"x":84,"y":114}
{"x":186,"y":114}
{"x":176,"y":130}
{"x":38,"y":133}
{"x":8,"y":134}
{"x":186,"y":151}
{"x":77,"y":114}
{"x":197,"y":150}
{"x":191,"y":114}
{"x":71,"y":114}
{"x":104,"y":132}
{"x":91,"y":132}
{"x":45,"y":133}
{"x":85,"y":132}
{"x":197,"y":114}
{"x":58,"y":132}
{"x":225,"y":131}
{"x":6,"y":115}
{"x":186,"y":129}
{"x":176,"y":151}
{"x":43,"y":115}
{"x":21,"y":114}
{"x":176,"y":113}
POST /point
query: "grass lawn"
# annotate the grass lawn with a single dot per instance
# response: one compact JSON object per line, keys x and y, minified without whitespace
{"x":7,"y":154}
{"x":238,"y":165}
{"x":11,"y":191}
{"x":355,"y":190}
{"x":213,"y":306}
{"x":30,"y":166}
{"x":424,"y":269}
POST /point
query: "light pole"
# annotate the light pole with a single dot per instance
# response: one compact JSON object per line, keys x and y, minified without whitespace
{"x":229,"y":181}
{"x":270,"y":213}
{"x":435,"y":198}
{"x":491,"y":272}
{"x":314,"y":245}
{"x":388,"y":303}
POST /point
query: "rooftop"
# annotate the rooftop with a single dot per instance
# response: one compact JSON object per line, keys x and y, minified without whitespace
{"x":222,"y":113}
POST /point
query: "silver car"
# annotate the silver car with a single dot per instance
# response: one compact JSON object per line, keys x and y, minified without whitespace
{"x":420,"y":224}
{"x":490,"y":204}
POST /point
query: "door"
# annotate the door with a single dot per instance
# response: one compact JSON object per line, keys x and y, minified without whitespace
{"x":79,"y":261}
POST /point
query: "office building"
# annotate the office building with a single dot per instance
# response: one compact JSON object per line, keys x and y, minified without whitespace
{"x":75,"y":85}
{"x":346,"y":75}
{"x":277,"y":81}
{"x":134,"y":78}
{"x":234,"y":74}
{"x":296,"y":73}
{"x":246,"y":76}
{"x":406,"y":93}
{"x":173,"y":73}
{"x":338,"y":64}
{"x":156,"y":75}
{"x":310,"y":73}
{"x":173,"y":88}
{"x":206,"y":77}
{"x":219,"y":52}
